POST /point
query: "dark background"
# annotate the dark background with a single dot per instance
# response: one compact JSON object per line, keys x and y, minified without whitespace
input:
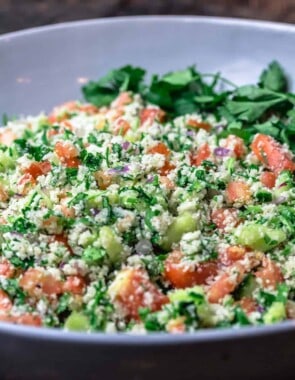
{"x":18,"y":14}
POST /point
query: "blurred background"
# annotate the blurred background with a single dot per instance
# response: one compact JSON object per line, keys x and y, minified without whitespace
{"x":19,"y":14}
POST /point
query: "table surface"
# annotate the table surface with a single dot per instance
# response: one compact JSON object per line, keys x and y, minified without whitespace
{"x":19,"y":14}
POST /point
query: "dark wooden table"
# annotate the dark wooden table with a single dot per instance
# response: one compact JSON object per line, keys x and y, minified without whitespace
{"x":18,"y":14}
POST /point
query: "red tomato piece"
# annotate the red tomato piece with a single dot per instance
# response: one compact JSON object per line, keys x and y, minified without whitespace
{"x":202,"y":154}
{"x":28,"y":320}
{"x":238,"y":191}
{"x":199,"y":124}
{"x":268,"y":179}
{"x":132,"y":290}
{"x":7,"y":137}
{"x":166,"y":168}
{"x":122,"y":127}
{"x":122,"y":100}
{"x":38,"y":168}
{"x":232,"y":254}
{"x":65,"y":149}
{"x":61,"y":238}
{"x":272,"y":154}
{"x":181,"y":275}
{"x":35,"y":281}
{"x":159,"y":148}
{"x":5,"y":302}
{"x":270,"y":274}
{"x":151,"y":114}
{"x":74,"y":284}
{"x":25,"y":183}
{"x":67,"y":153}
{"x":248,"y":305}
{"x":6,"y":268}
{"x":225,"y":217}
{"x":235,"y":144}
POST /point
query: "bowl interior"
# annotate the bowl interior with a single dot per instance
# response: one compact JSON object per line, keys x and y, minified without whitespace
{"x":46,"y":66}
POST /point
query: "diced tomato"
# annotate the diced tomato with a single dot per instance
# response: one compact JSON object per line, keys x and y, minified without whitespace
{"x":66,"y":124}
{"x":61,"y":238}
{"x":50,"y":285}
{"x":238,"y":191}
{"x":74,"y":284}
{"x":272,"y":154}
{"x":5,"y":302}
{"x":268,"y":179}
{"x":3,"y":194}
{"x":89,"y":108}
{"x":235,"y":144}
{"x":122,"y":127}
{"x":181,"y":275}
{"x":61,"y":113}
{"x":6,"y":268}
{"x":7,"y":137}
{"x":25,"y":183}
{"x":132,"y":290}
{"x":199,"y":124}
{"x":149,"y":115}
{"x":67,"y":153}
{"x":68,"y":212}
{"x":35,"y":281}
{"x":114,"y":114}
{"x":232,"y":277}
{"x":52,"y":119}
{"x":28,"y":320}
{"x":176,"y":326}
{"x":248,"y":305}
{"x":202,"y":154}
{"x":122,"y":100}
{"x":167,"y":182}
{"x":224,"y":217}
{"x":166,"y":168}
{"x":159,"y":148}
{"x":226,"y":283}
{"x":65,"y":149}
{"x":270,"y":274}
{"x":72,"y":162}
{"x":38,"y":168}
{"x":232,"y":254}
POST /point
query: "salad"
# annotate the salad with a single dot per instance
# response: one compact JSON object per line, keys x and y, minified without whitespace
{"x":167,"y":206}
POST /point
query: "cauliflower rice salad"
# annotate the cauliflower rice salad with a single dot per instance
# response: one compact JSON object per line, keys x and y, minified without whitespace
{"x":167,"y":207}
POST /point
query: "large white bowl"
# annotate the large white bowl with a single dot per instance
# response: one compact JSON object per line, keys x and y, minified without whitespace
{"x":42,"y":67}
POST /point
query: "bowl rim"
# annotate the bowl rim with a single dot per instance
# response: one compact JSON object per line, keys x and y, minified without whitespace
{"x":149,"y":339}
{"x":226,"y":21}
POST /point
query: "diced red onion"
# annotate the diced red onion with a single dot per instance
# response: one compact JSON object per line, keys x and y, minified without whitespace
{"x":280,"y":199}
{"x":94,"y":211}
{"x":150,"y":179}
{"x":283,"y":184}
{"x":122,"y":170}
{"x":260,"y":309}
{"x":221,"y":152}
{"x":125,"y":145}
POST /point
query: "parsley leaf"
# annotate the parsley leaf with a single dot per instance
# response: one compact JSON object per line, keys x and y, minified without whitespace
{"x":90,"y":160}
{"x":274,"y":78}
{"x":105,"y":90}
